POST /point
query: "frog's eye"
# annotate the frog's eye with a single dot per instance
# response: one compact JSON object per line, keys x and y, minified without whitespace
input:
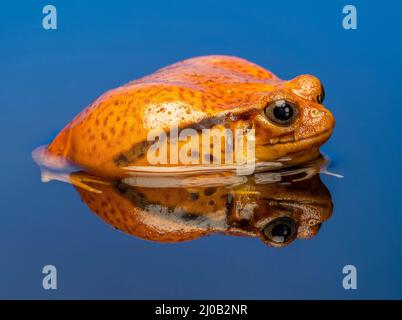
{"x":281,"y":112}
{"x":321,"y":95}
{"x":280,"y":230}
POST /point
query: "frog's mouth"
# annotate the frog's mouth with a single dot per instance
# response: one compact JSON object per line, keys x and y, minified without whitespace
{"x":317,"y":139}
{"x":289,"y":149}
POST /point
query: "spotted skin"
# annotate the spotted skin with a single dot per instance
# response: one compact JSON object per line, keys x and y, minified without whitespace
{"x":202,"y":92}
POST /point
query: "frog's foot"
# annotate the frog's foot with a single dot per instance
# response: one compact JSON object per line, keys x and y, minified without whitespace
{"x":78,"y":179}
{"x":81,"y":180}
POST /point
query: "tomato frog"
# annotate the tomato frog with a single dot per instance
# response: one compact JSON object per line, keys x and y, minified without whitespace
{"x":111,"y":135}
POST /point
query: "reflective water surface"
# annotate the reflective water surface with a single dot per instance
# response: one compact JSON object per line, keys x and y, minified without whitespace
{"x":276,"y":207}
{"x":276,"y":213}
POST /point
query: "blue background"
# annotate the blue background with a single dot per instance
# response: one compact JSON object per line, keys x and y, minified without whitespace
{"x":46,"y":77}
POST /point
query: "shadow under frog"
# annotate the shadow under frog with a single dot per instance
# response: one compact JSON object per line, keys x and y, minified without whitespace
{"x":276,"y":213}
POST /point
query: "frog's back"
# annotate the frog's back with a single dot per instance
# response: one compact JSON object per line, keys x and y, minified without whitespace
{"x":199,"y":72}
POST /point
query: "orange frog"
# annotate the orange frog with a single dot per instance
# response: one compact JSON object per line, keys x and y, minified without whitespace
{"x":289,"y":121}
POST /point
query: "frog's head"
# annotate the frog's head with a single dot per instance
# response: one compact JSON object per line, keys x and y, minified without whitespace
{"x":292,"y":123}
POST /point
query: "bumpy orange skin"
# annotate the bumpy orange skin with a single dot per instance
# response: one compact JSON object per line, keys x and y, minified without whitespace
{"x":209,"y":91}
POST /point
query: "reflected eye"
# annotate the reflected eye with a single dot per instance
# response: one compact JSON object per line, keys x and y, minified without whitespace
{"x":280,"y":230}
{"x":321,"y":96}
{"x":281,"y":112}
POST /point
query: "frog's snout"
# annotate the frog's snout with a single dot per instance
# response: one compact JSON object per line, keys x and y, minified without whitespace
{"x":327,"y":122}
{"x":316,"y":124}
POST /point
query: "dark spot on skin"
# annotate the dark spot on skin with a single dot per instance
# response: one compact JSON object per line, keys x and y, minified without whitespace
{"x":209,"y":191}
{"x":135,"y":152}
{"x":189,"y":216}
{"x":121,"y":160}
{"x":194,"y":196}
{"x":135,"y":197}
{"x":120,"y":186}
{"x":244,"y":117}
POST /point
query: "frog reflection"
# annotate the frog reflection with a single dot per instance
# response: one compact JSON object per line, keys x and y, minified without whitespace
{"x":276,"y":213}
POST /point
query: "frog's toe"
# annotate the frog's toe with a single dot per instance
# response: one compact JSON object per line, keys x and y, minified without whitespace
{"x":81,"y":180}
